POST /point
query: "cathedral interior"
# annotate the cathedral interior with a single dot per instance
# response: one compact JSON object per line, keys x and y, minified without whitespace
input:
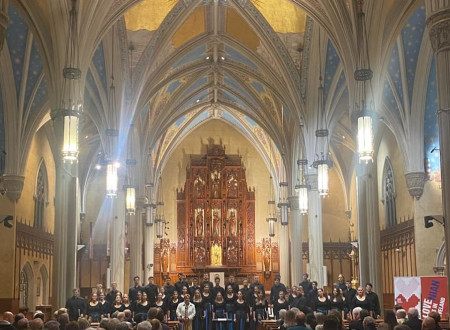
{"x":240,"y":137}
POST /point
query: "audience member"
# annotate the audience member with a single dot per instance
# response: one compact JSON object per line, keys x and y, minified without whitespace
{"x":369,"y":323}
{"x":413,"y":319}
{"x":437,"y":318}
{"x":401,"y":316}
{"x":428,"y":323}
{"x":331,"y":322}
{"x":36,"y":324}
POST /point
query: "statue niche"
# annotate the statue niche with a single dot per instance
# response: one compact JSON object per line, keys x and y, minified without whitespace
{"x":216,"y":218}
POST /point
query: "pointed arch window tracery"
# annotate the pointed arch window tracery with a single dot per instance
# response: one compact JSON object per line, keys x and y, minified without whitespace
{"x":40,"y":197}
{"x":389,"y":194}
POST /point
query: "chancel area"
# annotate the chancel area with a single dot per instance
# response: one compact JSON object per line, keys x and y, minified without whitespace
{"x":235,"y":138}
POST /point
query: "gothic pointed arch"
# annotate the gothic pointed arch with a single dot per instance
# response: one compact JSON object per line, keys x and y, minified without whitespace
{"x":26,"y":287}
{"x":40,"y":196}
{"x":389,"y":194}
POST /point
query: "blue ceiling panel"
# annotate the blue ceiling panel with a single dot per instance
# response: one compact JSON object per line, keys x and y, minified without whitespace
{"x":412,"y":34}
{"x":194,"y":86}
{"x":34,"y":72}
{"x":431,"y":129}
{"x":394,"y":72}
{"x":234,"y":55}
{"x":192,"y":56}
{"x":16,"y":37}
{"x":238,"y":88}
{"x":173,"y":86}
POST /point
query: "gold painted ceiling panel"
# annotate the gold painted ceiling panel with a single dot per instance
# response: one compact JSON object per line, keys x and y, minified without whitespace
{"x":282,"y":15}
{"x":191,"y":28}
{"x":148,"y":15}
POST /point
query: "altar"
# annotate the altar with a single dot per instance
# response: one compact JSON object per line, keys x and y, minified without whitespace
{"x":215,"y":213}
{"x":215,"y":221}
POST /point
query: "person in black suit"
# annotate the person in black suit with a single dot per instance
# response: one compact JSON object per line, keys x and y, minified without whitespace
{"x":132,"y":293}
{"x":151,"y":290}
{"x":76,"y":306}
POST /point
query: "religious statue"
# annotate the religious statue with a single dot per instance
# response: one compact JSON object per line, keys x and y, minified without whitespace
{"x":232,"y":222}
{"x":215,"y":176}
{"x":216,"y":255}
{"x":165,"y":261}
{"x":198,"y":185}
{"x":266,"y":259}
{"x":199,"y":225}
{"x":216,"y":224}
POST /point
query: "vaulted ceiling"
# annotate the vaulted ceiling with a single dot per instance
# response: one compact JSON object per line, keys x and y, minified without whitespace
{"x":254,"y":64}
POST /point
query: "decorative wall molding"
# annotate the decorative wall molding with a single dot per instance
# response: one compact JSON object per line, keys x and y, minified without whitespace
{"x":415,"y":182}
{"x":13,"y":185}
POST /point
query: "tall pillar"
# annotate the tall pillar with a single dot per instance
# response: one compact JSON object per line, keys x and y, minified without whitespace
{"x":66,"y":217}
{"x":117,"y":248}
{"x":283,"y":239}
{"x":135,"y":225}
{"x":315,"y":234}
{"x":295,"y":229}
{"x":438,"y":22}
{"x":368,"y":227}
{"x":149,"y":242}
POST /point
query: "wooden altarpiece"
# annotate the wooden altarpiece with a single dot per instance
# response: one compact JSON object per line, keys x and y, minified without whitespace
{"x":215,"y":216}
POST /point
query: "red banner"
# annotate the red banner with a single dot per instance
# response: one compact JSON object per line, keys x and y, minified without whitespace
{"x":434,"y":295}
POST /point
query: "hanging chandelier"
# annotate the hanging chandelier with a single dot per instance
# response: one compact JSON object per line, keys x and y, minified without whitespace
{"x":272,"y":211}
{"x":130,"y":197}
{"x":71,"y":99}
{"x":112,"y":179}
{"x":130,"y":200}
{"x":322,"y":163}
{"x":302,"y":188}
{"x":363,"y":76}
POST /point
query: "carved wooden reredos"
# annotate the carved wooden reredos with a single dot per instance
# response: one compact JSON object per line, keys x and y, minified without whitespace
{"x":215,"y":215}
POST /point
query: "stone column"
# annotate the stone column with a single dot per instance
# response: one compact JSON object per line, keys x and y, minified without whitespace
{"x":295,"y":229}
{"x":283,"y":241}
{"x":66,"y":218}
{"x":4,"y":20}
{"x":438,"y":22}
{"x":315,"y":234}
{"x":368,"y":227}
{"x":117,"y":247}
{"x":149,"y":242}
{"x":135,"y":238}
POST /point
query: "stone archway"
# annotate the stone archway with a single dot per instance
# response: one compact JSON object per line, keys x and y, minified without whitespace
{"x":42,"y":285}
{"x":26,"y":287}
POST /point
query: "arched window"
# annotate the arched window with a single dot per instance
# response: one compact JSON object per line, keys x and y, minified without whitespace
{"x":389,"y":194}
{"x":40,"y":199}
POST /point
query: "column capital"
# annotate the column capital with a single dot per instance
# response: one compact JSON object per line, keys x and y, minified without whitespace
{"x":415,"y":182}
{"x":13,"y":185}
{"x":311,"y":180}
{"x":293,"y":203}
{"x":439,"y":26}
